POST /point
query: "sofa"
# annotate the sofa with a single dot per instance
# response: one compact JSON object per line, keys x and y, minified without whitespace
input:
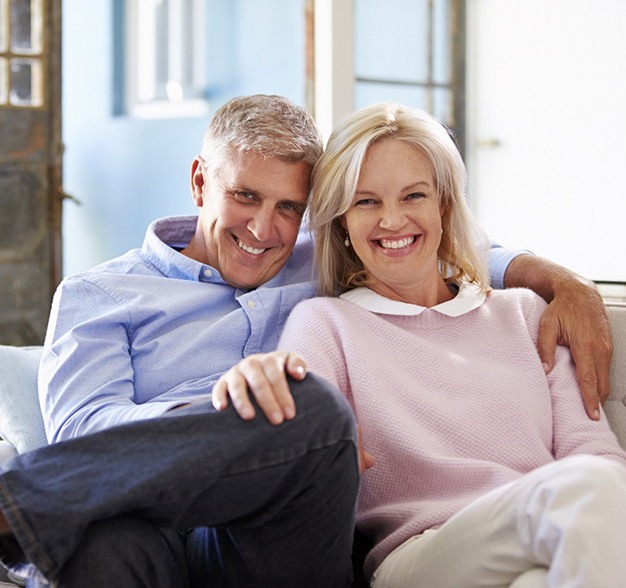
{"x":22,"y":427}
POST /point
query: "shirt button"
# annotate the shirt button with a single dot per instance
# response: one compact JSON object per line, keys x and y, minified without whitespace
{"x":208,"y":273}
{"x":251,"y":303}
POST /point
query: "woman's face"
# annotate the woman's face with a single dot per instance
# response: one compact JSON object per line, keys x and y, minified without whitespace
{"x":394,"y":221}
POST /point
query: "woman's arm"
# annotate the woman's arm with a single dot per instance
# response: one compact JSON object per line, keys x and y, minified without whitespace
{"x":575,"y":317}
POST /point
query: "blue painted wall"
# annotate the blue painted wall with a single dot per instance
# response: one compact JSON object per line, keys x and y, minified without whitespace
{"x":125,"y":171}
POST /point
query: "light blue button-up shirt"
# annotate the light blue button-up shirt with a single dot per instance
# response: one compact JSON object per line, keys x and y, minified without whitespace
{"x":153,"y":329}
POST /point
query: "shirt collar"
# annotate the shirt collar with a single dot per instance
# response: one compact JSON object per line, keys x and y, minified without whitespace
{"x":164,"y":239}
{"x":468,"y":298}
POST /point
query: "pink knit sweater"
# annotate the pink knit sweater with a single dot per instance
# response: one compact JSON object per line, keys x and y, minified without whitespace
{"x":451,"y":407}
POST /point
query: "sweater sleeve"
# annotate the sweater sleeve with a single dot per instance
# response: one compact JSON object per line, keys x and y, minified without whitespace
{"x":312,"y":331}
{"x":573,"y":431}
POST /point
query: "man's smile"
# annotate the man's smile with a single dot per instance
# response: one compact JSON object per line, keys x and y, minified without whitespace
{"x":248,"y":248}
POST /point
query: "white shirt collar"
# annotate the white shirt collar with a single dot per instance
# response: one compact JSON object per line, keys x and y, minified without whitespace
{"x":468,"y":298}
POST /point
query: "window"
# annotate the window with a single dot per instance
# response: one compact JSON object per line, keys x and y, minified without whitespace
{"x":21,"y":53}
{"x":408,"y":51}
{"x":411,"y":51}
{"x":160,"y":62}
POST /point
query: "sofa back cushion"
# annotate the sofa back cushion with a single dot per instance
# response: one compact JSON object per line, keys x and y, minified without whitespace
{"x":615,"y":406}
{"x":21,"y":422}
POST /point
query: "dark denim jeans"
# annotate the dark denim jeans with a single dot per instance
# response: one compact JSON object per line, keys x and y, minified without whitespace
{"x":258,"y":505}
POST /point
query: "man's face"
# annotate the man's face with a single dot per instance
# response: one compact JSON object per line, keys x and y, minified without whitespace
{"x":250,"y":214}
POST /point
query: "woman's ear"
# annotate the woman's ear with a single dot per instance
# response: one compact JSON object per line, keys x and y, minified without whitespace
{"x":342,"y":221}
{"x":444,"y":207}
{"x":198,"y":181}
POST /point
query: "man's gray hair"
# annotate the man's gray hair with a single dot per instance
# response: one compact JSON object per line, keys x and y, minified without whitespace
{"x":268,"y":125}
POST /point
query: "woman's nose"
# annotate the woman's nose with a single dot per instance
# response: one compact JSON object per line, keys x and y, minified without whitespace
{"x":392,"y":218}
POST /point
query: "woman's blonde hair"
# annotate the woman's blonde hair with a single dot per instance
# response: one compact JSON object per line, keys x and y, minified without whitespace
{"x":335,"y":176}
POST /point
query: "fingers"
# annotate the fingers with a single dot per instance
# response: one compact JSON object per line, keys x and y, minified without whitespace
{"x":592,"y":371}
{"x":263,"y":376}
{"x":577,"y":318}
{"x":588,"y":382}
{"x":547,"y":339}
{"x":366,"y":459}
{"x":267,"y":381}
{"x":603,"y":365}
{"x":296,"y":366}
{"x":233,"y":385}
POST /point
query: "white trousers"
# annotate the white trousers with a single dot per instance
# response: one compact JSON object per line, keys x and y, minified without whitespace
{"x":562,"y":525}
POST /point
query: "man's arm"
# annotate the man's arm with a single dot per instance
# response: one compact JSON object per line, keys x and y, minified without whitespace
{"x":575,"y":317}
{"x":86,"y":375}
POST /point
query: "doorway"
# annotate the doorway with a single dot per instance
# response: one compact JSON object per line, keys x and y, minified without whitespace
{"x":31,"y":153}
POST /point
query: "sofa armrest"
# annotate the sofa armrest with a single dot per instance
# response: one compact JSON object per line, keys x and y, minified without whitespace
{"x":615,"y":406}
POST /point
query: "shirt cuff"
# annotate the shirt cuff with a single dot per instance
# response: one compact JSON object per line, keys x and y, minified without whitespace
{"x":499,"y":259}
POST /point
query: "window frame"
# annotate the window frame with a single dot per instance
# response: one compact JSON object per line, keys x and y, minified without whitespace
{"x":155,"y":78}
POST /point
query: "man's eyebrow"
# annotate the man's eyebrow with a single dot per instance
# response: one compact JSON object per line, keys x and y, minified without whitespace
{"x":241,"y":188}
{"x":298,"y":205}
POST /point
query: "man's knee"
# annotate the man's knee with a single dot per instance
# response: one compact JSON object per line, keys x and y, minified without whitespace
{"x":317,"y":399}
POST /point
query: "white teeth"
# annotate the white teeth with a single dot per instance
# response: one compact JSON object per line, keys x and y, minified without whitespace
{"x":397,"y":244}
{"x":249,"y":249}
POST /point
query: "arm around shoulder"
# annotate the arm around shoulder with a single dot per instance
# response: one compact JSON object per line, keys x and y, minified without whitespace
{"x":576,"y":317}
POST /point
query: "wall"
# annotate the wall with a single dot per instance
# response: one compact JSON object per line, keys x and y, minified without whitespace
{"x":546,"y":124}
{"x":127,"y":172}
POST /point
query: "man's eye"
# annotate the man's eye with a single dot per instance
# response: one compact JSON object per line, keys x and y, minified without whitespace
{"x":291,"y":208}
{"x":244,"y":195}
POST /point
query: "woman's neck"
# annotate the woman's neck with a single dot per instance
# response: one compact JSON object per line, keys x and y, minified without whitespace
{"x":428,"y":294}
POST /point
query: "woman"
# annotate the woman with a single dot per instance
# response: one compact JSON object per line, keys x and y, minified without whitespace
{"x":488,"y":471}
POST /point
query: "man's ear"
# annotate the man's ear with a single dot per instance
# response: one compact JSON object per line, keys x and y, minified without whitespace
{"x":198,"y":180}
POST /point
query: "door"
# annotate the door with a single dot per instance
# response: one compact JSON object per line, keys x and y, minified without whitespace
{"x":30,"y":166}
{"x":546,"y":121}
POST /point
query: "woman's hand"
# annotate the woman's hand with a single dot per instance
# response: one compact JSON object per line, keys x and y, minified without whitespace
{"x":366,"y":459}
{"x":264,"y":375}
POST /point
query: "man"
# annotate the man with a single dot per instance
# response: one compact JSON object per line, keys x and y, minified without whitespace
{"x":148,"y":335}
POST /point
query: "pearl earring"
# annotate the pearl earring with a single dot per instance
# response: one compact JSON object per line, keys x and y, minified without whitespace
{"x":347,"y":240}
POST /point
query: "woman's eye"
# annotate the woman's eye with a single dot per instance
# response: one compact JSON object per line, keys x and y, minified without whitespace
{"x":416,"y":196}
{"x":364,"y":202}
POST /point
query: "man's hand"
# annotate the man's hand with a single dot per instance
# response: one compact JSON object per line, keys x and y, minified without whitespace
{"x":575,"y":317}
{"x":263,"y":375}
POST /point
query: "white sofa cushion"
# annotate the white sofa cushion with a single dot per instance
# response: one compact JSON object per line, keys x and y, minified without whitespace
{"x":21,"y":423}
{"x":615,"y":406}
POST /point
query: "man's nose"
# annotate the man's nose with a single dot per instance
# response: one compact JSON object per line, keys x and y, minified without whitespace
{"x":261,"y":225}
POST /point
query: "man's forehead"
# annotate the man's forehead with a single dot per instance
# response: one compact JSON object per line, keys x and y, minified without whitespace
{"x":256,"y":172}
